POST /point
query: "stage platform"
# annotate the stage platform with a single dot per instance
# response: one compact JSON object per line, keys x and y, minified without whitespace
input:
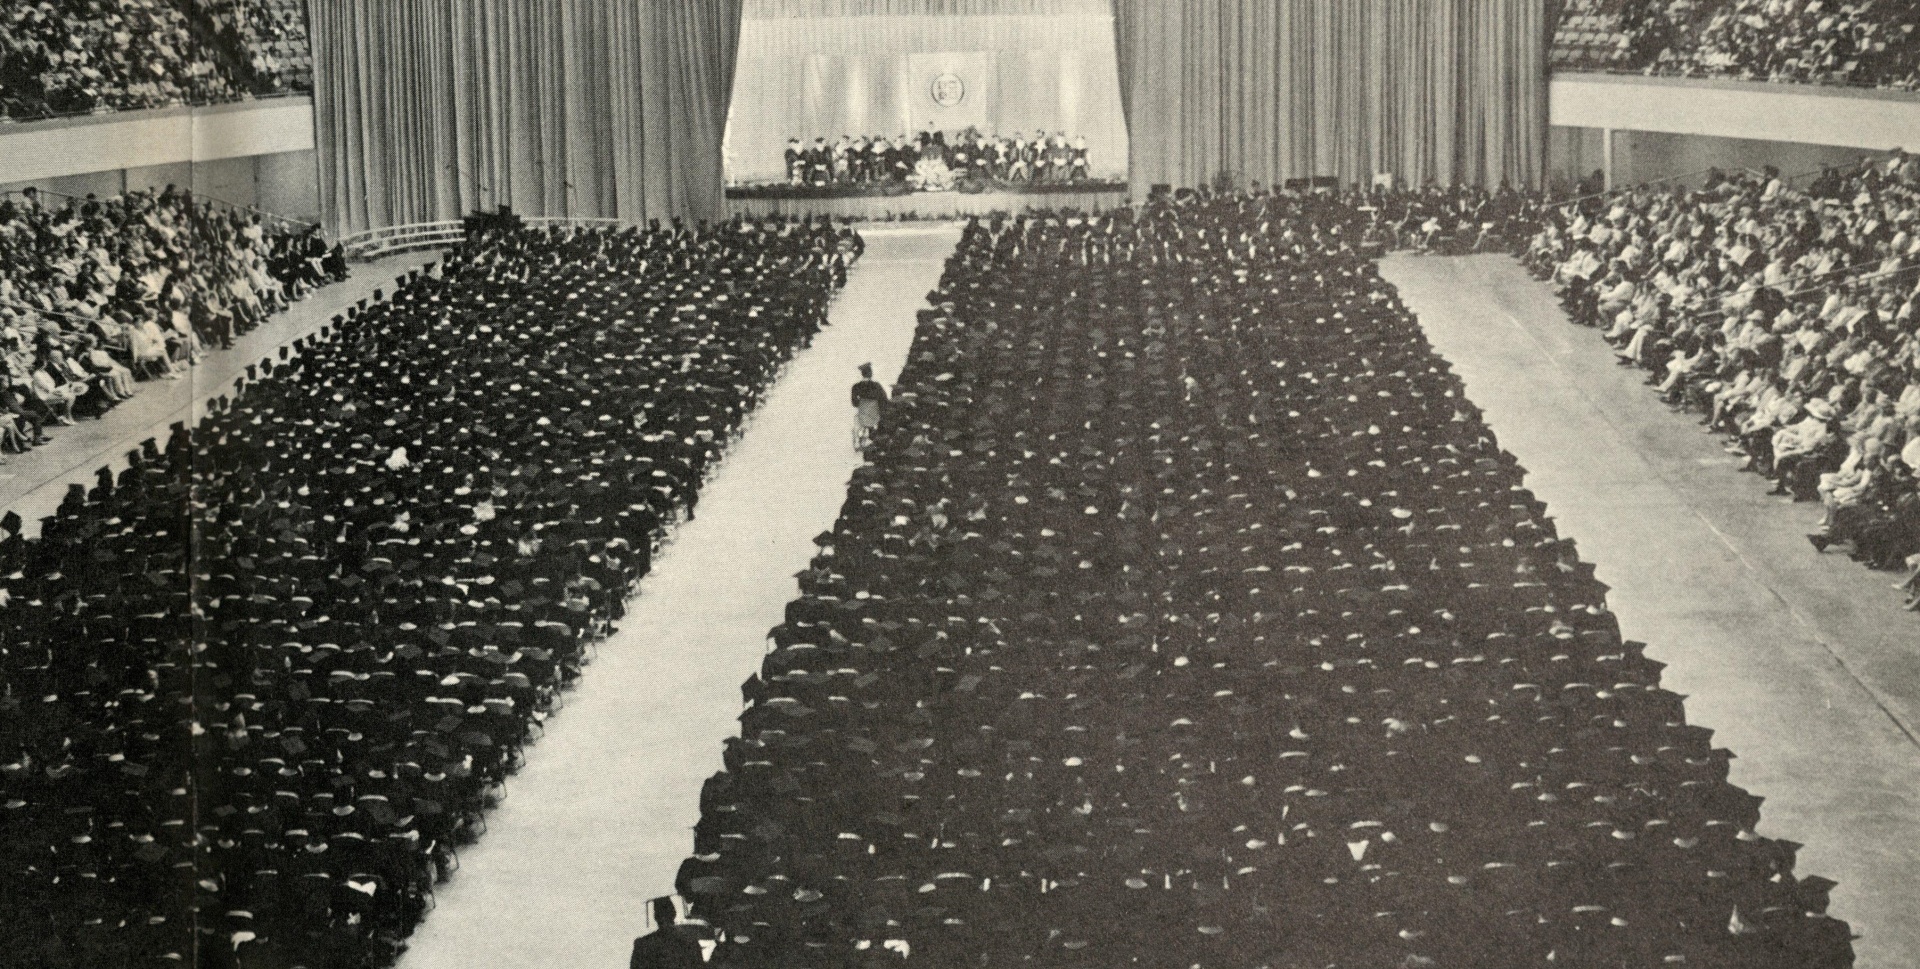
{"x":927,"y":205}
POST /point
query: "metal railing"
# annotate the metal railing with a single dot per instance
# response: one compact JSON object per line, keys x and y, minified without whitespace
{"x":169,"y":104}
{"x":42,"y":191}
{"x":37,"y":311}
{"x":373,"y":243}
{"x":1569,"y":67}
{"x":1874,"y":158}
{"x":1603,"y":193}
{"x":256,"y":210}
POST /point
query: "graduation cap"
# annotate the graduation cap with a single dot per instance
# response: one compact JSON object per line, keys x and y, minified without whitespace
{"x":1812,"y":891}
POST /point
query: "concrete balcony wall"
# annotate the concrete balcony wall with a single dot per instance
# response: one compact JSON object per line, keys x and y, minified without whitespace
{"x":250,"y":153}
{"x":1662,"y":127}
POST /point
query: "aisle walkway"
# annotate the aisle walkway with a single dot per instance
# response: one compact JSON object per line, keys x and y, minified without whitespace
{"x":32,"y":484}
{"x":1804,"y":664}
{"x":602,"y":815}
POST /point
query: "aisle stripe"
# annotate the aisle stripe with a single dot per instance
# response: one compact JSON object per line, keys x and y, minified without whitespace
{"x":602,"y":815}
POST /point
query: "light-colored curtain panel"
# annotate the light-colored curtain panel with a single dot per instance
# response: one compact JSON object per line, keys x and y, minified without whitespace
{"x":779,"y":9}
{"x":430,"y":109}
{"x":1449,"y":90}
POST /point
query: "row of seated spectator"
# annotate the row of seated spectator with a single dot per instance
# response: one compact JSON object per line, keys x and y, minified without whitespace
{"x":99,"y":294}
{"x":63,"y":57}
{"x":264,"y":747}
{"x":867,"y":160}
{"x":1869,"y":43}
{"x":1188,"y":614}
{"x":1784,"y":317}
{"x":1381,"y":218}
{"x":1441,"y":219}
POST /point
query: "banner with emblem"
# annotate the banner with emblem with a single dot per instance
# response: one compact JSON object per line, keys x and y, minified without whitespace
{"x":951,"y":90}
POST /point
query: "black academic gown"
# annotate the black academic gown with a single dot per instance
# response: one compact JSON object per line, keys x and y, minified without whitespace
{"x":664,"y":948}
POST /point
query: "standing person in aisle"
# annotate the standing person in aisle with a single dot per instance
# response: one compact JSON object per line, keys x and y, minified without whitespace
{"x":868,"y":399}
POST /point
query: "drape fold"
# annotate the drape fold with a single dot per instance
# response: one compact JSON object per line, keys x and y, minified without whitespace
{"x":429,"y":109}
{"x":798,"y":9}
{"x":1449,"y":90}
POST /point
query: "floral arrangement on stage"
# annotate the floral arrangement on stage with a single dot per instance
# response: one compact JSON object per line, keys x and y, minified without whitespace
{"x":931,"y":175}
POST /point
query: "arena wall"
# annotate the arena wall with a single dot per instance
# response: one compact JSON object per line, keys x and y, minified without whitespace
{"x":1663,"y":127}
{"x":248,"y":153}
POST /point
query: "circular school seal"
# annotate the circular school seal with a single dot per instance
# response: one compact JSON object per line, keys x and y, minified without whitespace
{"x":948,"y":90}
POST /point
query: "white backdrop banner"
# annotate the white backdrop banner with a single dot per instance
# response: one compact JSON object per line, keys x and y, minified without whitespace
{"x":952,"y":90}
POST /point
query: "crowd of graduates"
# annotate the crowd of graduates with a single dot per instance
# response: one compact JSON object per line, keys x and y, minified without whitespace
{"x":1188,"y":614}
{"x":260,"y":686}
{"x":1784,"y":317}
{"x":932,"y":160}
{"x":62,"y":57}
{"x":99,"y":294}
{"x":1857,"y":42}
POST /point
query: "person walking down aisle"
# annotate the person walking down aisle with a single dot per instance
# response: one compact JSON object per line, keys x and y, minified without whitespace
{"x":869,"y":397}
{"x":671,"y":946}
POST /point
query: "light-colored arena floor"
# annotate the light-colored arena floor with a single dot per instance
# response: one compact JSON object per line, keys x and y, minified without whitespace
{"x":602,"y":815}
{"x":1803,"y":664}
{"x":32,"y":484}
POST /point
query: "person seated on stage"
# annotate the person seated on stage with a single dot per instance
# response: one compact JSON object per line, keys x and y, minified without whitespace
{"x":1079,"y":168}
{"x":901,"y":158}
{"x":1060,"y":157}
{"x":960,"y":156}
{"x":1000,"y":157}
{"x":842,"y":160}
{"x":796,"y":162}
{"x":879,"y":165}
{"x":819,"y":162}
{"x":980,"y":157}
{"x":1039,"y":162}
{"x":1019,"y":161}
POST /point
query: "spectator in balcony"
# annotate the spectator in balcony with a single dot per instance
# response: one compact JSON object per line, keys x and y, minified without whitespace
{"x":1791,"y":41}
{"x":60,"y":57}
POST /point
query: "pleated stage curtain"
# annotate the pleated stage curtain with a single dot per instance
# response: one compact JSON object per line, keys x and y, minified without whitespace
{"x":789,"y":9}
{"x":1452,"y":90}
{"x":429,"y":109}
